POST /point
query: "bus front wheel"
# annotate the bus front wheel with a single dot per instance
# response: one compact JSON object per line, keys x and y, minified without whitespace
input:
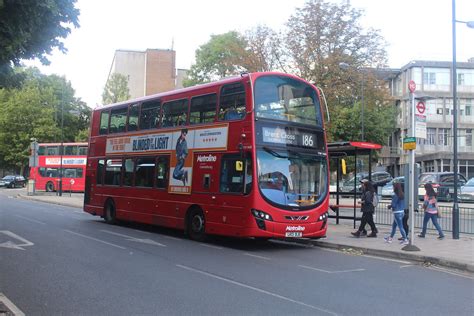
{"x":109,"y":213}
{"x":196,"y":225}
{"x":49,"y":187}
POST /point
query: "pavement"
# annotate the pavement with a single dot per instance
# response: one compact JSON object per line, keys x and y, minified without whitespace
{"x":449,"y":252}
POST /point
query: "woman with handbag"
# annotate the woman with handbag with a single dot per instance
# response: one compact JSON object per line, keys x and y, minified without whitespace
{"x":430,"y":206}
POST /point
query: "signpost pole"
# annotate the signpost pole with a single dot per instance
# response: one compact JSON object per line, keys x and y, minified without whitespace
{"x":411,"y":176}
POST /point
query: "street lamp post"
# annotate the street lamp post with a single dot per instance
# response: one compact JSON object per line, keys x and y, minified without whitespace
{"x":455,"y":126}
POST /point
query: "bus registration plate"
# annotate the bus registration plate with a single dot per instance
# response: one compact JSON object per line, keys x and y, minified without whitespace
{"x":294,"y":234}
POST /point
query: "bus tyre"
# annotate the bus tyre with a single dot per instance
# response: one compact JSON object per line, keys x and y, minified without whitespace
{"x":49,"y":187}
{"x":109,"y":213}
{"x":196,"y":225}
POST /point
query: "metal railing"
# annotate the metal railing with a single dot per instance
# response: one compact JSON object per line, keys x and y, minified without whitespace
{"x":384,"y":216}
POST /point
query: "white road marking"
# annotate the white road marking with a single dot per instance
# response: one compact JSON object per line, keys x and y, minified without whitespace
{"x":256,"y":289}
{"x":256,"y":256}
{"x":331,"y":272}
{"x":15,"y":310}
{"x":30,"y":219}
{"x":169,"y":237}
{"x":98,"y":240}
{"x":12,"y":245}
{"x":407,"y":266}
{"x":210,"y":246}
{"x":388,"y":259}
{"x":131,"y":238}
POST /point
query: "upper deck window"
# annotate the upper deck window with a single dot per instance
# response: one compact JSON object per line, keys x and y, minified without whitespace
{"x":203,"y":109}
{"x":118,"y":119}
{"x":232,"y":102}
{"x":150,"y":114}
{"x":132,"y":124}
{"x":286,"y":99}
{"x":104,"y":122}
{"x":175,"y":113}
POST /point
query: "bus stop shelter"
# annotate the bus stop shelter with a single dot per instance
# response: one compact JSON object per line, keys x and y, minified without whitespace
{"x":343,"y":150}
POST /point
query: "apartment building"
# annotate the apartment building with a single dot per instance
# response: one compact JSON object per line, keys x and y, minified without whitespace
{"x":148,"y":72}
{"x":434,"y":86}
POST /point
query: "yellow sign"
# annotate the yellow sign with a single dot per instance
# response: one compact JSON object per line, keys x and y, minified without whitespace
{"x":409,"y":143}
{"x":239,"y":165}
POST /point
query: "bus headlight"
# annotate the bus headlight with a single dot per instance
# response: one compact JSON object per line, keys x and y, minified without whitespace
{"x":261,"y":215}
{"x":323,"y":217}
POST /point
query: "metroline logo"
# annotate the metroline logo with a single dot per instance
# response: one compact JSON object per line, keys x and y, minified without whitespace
{"x":208,"y":158}
{"x":295,"y":228}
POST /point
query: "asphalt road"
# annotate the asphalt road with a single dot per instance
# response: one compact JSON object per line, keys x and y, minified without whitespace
{"x":57,"y":260}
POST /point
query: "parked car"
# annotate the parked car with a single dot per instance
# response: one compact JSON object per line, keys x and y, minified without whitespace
{"x":387,"y":190}
{"x":466,"y":193}
{"x":12,"y":181}
{"x":443,"y":184}
{"x":379,"y":178}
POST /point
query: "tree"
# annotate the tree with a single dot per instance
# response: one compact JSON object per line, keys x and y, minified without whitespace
{"x":116,"y":89}
{"x":264,"y":50}
{"x":24,"y":114}
{"x":36,"y":110}
{"x":32,"y":29}
{"x":222,"y":56}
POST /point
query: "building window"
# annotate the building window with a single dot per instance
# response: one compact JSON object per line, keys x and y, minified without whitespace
{"x":431,"y":136}
{"x":444,"y":136}
{"x":469,"y":137}
{"x":429,"y":78}
{"x":429,"y":166}
{"x":416,"y":75}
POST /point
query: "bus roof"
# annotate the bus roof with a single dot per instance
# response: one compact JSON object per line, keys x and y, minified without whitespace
{"x":197,"y":87}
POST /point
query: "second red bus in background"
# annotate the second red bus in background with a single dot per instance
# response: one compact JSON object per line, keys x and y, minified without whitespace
{"x":47,"y":176}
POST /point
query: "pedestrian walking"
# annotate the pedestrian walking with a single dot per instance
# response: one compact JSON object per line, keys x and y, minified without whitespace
{"x":367,"y":209}
{"x":398,"y":210}
{"x":430,"y":206}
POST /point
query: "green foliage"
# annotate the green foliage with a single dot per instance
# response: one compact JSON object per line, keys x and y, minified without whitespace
{"x":222,"y":56}
{"x":82,"y":136}
{"x":116,"y":89}
{"x":346,"y":123}
{"x":32,"y":29}
{"x":35,"y":110}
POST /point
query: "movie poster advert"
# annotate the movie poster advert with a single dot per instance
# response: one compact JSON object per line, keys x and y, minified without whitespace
{"x":180,"y":143}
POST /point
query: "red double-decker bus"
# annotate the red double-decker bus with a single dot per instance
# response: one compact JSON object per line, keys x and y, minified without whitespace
{"x":47,"y":173}
{"x":245,"y":156}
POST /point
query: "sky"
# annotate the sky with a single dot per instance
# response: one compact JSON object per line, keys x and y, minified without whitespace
{"x":413,"y":30}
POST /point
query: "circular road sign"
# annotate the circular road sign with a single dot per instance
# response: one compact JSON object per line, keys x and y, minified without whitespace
{"x":420,"y":107}
{"x":412,"y":86}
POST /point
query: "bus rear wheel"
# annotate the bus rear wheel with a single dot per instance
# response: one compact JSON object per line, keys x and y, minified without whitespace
{"x":49,"y":187}
{"x":196,"y":225}
{"x":109,"y":213}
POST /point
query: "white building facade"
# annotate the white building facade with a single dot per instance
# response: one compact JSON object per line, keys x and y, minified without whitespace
{"x":434,"y":87}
